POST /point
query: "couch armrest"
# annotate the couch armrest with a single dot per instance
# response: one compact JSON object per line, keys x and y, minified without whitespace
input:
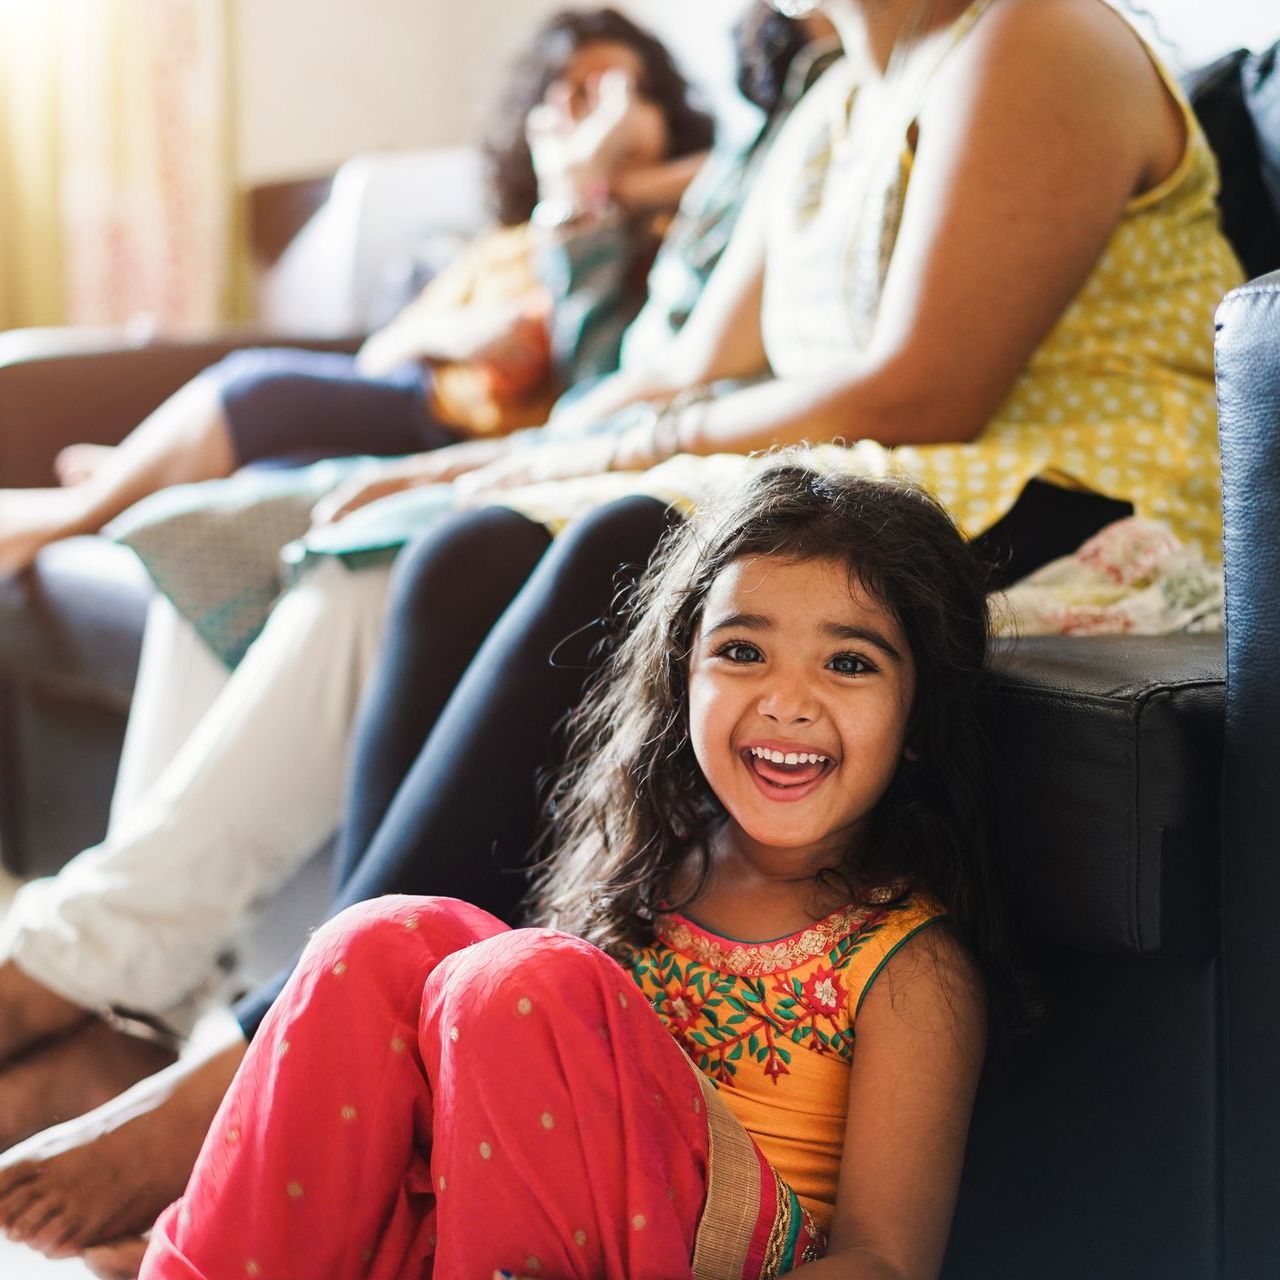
{"x":59,"y":388}
{"x":1248,"y":363}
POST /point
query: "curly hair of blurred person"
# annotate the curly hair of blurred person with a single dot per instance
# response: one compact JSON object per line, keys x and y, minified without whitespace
{"x":511,"y":181}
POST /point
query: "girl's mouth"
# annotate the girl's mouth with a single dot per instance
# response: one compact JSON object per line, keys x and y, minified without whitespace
{"x":786,"y":775}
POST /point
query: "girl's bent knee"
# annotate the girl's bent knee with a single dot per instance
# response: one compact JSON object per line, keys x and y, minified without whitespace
{"x":533,"y":972}
{"x":383,"y":931}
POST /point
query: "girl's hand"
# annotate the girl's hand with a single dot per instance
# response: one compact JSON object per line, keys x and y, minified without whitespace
{"x":383,"y":479}
{"x":539,"y":464}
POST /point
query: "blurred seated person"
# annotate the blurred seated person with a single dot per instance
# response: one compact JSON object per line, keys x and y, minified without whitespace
{"x":595,"y":124}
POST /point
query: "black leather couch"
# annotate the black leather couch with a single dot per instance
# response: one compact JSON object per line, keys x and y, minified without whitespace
{"x":1134,"y":1134}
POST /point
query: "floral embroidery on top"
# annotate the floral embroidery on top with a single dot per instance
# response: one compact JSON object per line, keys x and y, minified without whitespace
{"x":754,"y":958}
{"x":730,"y":1003}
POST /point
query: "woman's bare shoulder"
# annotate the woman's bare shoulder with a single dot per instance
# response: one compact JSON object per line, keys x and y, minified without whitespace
{"x":1065,"y":44}
{"x":1070,"y":71}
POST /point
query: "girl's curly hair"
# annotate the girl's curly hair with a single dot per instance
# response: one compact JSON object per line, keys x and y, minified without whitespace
{"x":513,"y":188}
{"x":633,"y":803}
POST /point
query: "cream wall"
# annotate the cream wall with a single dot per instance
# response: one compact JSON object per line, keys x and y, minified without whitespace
{"x":319,"y":80}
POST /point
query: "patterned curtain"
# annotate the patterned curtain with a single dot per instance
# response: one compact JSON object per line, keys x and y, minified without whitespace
{"x":116,"y":181}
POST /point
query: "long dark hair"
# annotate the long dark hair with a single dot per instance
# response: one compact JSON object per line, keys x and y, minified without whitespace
{"x":633,"y":803}
{"x":512,"y":185}
{"x":766,"y":43}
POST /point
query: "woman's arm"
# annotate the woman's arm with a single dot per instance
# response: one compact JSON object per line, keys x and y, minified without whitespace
{"x":921,"y":1036}
{"x":1023,"y":168}
{"x":655,"y":186}
{"x":1022,"y":172}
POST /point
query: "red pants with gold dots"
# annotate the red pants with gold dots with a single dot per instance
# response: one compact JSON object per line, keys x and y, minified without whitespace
{"x":437,"y":1095}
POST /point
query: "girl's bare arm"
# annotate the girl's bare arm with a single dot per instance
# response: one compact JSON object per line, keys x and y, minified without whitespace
{"x":921,"y":1036}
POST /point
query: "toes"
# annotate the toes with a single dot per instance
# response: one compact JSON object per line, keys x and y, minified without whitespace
{"x":13,"y":1180}
{"x":33,"y":1220}
{"x":19,"y":1208}
{"x":58,"y":1238}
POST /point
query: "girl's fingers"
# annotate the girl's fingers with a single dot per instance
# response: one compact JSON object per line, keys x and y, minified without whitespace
{"x":331,"y":509}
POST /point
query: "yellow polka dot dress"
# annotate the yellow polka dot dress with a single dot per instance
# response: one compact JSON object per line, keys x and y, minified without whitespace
{"x":1118,"y":398}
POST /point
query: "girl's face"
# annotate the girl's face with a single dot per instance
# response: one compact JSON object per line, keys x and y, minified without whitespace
{"x":800,"y":691}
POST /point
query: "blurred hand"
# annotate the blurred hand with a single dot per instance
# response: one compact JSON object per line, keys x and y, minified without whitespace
{"x":519,"y":360}
{"x":538,"y":464}
{"x":380,"y":480}
{"x":499,"y":333}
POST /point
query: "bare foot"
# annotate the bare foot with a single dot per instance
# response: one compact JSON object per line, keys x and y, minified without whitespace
{"x":32,"y":518}
{"x":108,"y":1174}
{"x":119,"y":1260}
{"x":71,"y":1075}
{"x":30,"y":1012}
{"x":78,"y":462}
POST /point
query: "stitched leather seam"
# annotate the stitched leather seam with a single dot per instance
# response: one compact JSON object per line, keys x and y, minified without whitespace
{"x":1103,"y":700}
{"x":1251,"y":291}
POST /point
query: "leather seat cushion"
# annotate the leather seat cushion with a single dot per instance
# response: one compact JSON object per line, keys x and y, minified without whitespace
{"x":72,"y":626}
{"x":1108,"y":753}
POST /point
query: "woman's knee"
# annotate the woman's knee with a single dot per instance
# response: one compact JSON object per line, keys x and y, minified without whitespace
{"x":469,"y":552}
{"x":605,"y":543}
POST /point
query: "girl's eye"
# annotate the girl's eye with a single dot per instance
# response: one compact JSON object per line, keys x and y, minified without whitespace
{"x":849,"y":664}
{"x":740,"y":651}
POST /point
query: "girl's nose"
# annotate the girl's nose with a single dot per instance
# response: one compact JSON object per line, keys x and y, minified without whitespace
{"x":788,"y":702}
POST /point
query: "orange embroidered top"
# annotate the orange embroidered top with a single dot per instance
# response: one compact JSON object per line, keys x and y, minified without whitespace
{"x":773,"y":1024}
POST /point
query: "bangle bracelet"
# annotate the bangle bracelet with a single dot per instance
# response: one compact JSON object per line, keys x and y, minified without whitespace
{"x":622,"y":453}
{"x":612,"y":464}
{"x":667,"y":430}
{"x":664,"y":433}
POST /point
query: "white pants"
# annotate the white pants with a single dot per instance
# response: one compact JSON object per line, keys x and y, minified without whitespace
{"x":227,"y":785}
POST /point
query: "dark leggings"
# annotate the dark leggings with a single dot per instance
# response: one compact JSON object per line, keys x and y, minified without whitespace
{"x":458,"y":731}
{"x":445,"y":781}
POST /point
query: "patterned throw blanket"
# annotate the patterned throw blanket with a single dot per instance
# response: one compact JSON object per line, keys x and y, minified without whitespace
{"x":1132,"y":578}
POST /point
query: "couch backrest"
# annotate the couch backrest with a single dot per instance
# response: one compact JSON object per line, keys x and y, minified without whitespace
{"x":1248,"y":361}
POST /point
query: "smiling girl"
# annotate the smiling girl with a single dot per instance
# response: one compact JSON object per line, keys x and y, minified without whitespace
{"x":746,"y":1037}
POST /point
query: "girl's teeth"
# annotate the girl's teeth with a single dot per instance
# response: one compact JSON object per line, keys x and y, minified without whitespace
{"x":790,"y":757}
